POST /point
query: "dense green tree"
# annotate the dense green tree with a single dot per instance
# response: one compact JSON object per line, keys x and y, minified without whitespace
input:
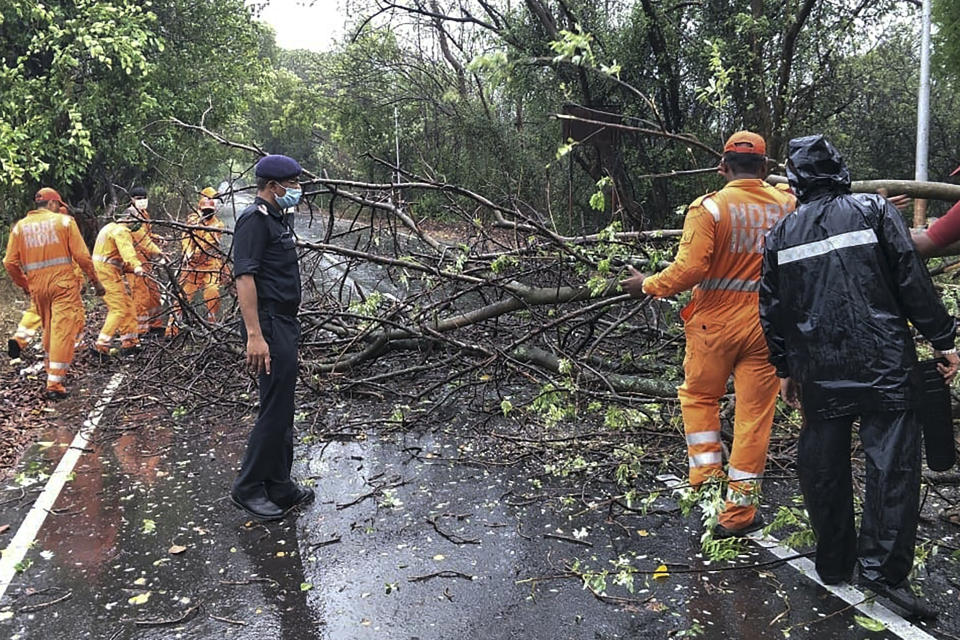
{"x":88,"y":88}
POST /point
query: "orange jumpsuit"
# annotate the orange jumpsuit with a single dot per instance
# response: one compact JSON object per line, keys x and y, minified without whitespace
{"x":113,"y":255}
{"x":40,"y":259}
{"x":144,"y":289}
{"x":202,"y":267}
{"x":721,"y":253}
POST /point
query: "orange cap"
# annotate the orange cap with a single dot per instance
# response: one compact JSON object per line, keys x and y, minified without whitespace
{"x":955,"y":171}
{"x":46,"y":194}
{"x":206,"y":203}
{"x":746,"y":142}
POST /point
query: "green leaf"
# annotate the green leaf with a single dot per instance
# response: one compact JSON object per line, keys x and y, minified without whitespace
{"x":869,"y":623}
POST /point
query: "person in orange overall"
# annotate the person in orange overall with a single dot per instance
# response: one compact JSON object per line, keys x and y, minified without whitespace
{"x":30,"y":322}
{"x":41,"y":252}
{"x":202,"y":261}
{"x":114,"y":255}
{"x":144,"y":289}
{"x":720,"y":255}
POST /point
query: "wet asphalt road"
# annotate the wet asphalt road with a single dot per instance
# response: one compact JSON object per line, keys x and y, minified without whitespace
{"x":402,"y":543}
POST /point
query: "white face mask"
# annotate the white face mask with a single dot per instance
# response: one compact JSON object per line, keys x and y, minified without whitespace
{"x":140,"y":203}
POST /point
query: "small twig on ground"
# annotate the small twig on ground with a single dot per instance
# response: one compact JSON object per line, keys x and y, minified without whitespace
{"x":441,"y":574}
{"x":452,"y":537}
{"x":43,"y":605}
{"x":554,"y":536}
{"x":249,"y":581}
{"x":160,"y":623}
{"x":239,"y":623}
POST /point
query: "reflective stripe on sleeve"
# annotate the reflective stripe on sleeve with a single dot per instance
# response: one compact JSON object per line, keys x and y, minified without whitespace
{"x":712,"y":207}
{"x":703,"y":437}
{"x":821,"y":247}
{"x":706,"y":459}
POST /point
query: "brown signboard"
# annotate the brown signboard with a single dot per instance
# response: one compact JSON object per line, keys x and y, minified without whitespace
{"x":592,"y":132}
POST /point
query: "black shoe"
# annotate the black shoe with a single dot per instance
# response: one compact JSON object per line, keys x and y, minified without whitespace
{"x":834,"y":580}
{"x":100,"y":357}
{"x":902,"y":596}
{"x":156,"y":331}
{"x":129,"y":353}
{"x":52,"y":394}
{"x":720,"y":532}
{"x":303,"y":495}
{"x":258,"y":507}
{"x":13,"y":349}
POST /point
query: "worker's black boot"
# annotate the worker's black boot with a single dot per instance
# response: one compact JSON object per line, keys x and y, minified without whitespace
{"x":258,"y":506}
{"x":13,"y":349}
{"x":902,"y":596}
{"x":721,"y":532}
{"x":303,"y":495}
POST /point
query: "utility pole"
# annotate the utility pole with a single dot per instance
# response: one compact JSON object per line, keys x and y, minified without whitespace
{"x":923,"y":117}
{"x":396,"y":140}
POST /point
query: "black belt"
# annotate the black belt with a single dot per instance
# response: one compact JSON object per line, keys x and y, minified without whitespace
{"x":279,"y":308}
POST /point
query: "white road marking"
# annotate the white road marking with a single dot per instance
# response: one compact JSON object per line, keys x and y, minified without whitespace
{"x":27,"y":533}
{"x":851,"y":595}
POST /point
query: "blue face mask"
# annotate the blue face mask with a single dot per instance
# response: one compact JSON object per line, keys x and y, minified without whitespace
{"x":289,"y":199}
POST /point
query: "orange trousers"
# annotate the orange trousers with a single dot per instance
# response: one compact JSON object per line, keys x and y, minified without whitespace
{"x":205,"y":280}
{"x":715,"y":349}
{"x":146,"y":301}
{"x":121,"y":317}
{"x":60,"y":309}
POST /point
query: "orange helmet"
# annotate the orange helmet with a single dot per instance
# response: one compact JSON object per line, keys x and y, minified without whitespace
{"x":47,"y":194}
{"x":209,"y":192}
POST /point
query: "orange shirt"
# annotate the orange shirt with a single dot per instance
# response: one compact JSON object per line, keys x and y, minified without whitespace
{"x":721,"y":249}
{"x":43,"y":247}
{"x":115,"y":246}
{"x":143,"y":243}
{"x":202,"y":247}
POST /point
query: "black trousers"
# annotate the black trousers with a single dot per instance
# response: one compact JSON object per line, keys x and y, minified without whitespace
{"x":888,"y":528}
{"x":269,"y":455}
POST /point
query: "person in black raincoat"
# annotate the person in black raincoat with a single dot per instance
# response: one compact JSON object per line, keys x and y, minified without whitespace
{"x":841,"y":279}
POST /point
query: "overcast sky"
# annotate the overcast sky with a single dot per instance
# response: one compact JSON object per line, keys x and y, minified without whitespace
{"x":305,"y":24}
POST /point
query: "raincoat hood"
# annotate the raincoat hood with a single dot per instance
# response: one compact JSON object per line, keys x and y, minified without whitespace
{"x":815,"y":168}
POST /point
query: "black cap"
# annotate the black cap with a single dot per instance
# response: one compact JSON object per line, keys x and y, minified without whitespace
{"x":138,"y":192}
{"x":278,"y":167}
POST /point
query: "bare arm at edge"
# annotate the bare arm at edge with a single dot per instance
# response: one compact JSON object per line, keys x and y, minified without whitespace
{"x":258,"y":351}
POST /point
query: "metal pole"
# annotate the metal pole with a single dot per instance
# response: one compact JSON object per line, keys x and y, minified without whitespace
{"x":923,"y":116}
{"x":396,"y":140}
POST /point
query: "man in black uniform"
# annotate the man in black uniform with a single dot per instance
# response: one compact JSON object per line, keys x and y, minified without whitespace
{"x":841,"y":280}
{"x":267,"y":276}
